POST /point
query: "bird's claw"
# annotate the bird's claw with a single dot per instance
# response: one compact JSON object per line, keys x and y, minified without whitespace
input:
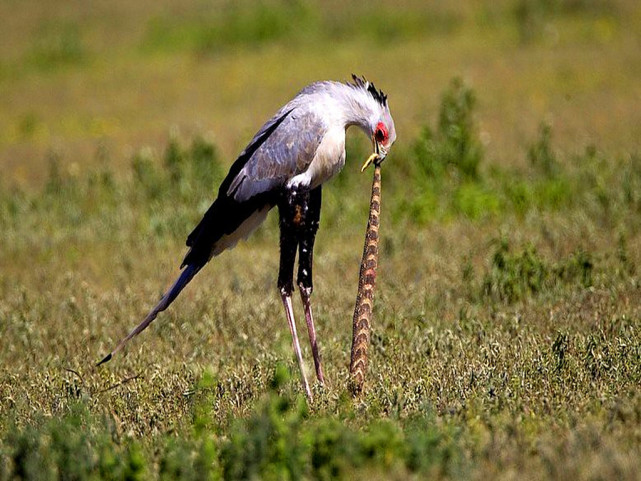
{"x":371,"y":159}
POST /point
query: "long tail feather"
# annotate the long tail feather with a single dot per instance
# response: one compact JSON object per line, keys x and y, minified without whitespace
{"x":186,"y":275}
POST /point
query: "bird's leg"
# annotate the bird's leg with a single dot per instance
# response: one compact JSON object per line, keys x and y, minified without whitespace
{"x":288,"y":243}
{"x":305,"y":261}
{"x":287,"y":302}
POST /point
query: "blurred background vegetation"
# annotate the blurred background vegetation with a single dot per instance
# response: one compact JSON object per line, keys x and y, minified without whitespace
{"x":507,"y":329}
{"x":81,"y":75}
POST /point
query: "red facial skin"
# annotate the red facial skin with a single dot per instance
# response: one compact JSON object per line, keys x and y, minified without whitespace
{"x":381,"y":134}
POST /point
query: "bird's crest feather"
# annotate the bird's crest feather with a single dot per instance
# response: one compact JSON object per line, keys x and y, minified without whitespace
{"x":366,"y":85}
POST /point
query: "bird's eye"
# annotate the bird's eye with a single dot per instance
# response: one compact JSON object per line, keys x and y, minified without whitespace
{"x":380,"y":134}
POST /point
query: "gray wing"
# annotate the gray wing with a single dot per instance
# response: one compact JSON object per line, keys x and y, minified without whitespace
{"x":286,"y":151}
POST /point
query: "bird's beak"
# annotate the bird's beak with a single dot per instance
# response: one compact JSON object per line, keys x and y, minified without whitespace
{"x":381,"y":152}
{"x":377,"y":157}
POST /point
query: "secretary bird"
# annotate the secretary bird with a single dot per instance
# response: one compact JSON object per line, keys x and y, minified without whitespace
{"x":285,"y":164}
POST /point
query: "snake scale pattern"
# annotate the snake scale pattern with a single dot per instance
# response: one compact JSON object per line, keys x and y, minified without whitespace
{"x":365,"y":298}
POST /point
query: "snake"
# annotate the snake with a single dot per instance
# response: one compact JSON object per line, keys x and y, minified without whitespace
{"x":362,"y":321}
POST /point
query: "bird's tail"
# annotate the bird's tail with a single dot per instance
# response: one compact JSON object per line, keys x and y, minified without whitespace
{"x":185,"y":276}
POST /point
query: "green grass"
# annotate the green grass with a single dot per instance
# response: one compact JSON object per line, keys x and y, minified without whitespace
{"x":507,"y":322}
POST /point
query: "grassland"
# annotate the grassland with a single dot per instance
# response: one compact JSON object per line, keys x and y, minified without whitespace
{"x":507,"y":329}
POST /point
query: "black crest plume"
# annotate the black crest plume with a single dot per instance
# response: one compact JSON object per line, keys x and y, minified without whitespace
{"x":378,"y":95}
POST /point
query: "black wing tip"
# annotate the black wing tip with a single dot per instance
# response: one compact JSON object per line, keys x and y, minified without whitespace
{"x":107,"y":358}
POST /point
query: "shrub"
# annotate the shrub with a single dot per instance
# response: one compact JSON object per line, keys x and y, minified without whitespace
{"x":514,"y":275}
{"x":455,"y":143}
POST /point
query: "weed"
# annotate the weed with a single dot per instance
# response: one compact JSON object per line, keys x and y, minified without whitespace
{"x":266,"y":446}
{"x":454,"y":144}
{"x":189,"y":460}
{"x":184,"y":171}
{"x":541,"y":155}
{"x":147,"y":175}
{"x":559,"y":349}
{"x":74,"y":446}
{"x":514,"y":275}
{"x":578,"y":267}
{"x":631,"y":183}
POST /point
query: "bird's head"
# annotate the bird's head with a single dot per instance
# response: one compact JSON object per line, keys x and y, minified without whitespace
{"x":378,"y":124}
{"x":383,"y":133}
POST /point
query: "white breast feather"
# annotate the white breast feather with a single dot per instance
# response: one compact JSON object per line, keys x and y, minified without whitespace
{"x":328,"y":160}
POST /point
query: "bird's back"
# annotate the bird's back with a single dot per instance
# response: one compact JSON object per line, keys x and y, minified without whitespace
{"x":284,"y":147}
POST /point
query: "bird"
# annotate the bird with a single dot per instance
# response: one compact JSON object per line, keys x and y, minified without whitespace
{"x":285,"y":165}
